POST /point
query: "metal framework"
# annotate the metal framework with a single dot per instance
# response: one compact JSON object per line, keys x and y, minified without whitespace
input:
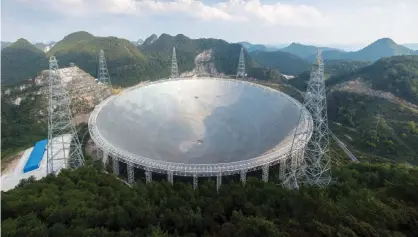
{"x":103,"y":76}
{"x":313,"y":164}
{"x":241,"y":64}
{"x":174,"y":66}
{"x":277,"y":154}
{"x":64,"y":148}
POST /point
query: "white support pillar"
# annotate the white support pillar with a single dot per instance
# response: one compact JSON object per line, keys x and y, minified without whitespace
{"x":105,"y":157}
{"x":243,"y":175}
{"x":115,"y":166}
{"x":266,"y":172}
{"x":195,"y":181}
{"x":218,"y":181}
{"x":282,"y":169}
{"x":131,"y":173}
{"x":98,"y":153}
{"x":148,"y":176}
{"x":170,"y":177}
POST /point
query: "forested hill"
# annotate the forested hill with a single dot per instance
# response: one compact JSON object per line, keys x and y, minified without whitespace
{"x":127,"y":63}
{"x":21,"y":61}
{"x":286,"y":63}
{"x":82,"y":48}
{"x":224,"y":55}
{"x":398,"y":75}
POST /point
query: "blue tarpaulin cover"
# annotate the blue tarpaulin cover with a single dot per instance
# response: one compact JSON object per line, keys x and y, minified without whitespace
{"x":35,"y":156}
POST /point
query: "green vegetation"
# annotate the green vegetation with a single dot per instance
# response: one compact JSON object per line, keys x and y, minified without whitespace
{"x":334,"y":71}
{"x":367,"y":200}
{"x":82,"y":48}
{"x":304,"y":51}
{"x":24,"y":124}
{"x":398,"y":75}
{"x":21,"y":61}
{"x":286,"y":63}
{"x":127,"y":64}
{"x":375,"y":126}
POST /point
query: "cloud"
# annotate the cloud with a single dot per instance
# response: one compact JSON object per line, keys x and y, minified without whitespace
{"x":232,"y":10}
{"x":262,"y":21}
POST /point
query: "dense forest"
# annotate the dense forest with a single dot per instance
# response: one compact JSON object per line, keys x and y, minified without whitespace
{"x":365,"y":200}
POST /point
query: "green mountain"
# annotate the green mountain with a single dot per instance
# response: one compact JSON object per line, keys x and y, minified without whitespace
{"x":224,"y":56}
{"x":379,"y":49}
{"x":333,"y":69}
{"x":398,"y":75}
{"x":304,"y":51}
{"x":82,"y":48}
{"x":21,"y":61}
{"x":286,"y":63}
{"x":257,"y":47}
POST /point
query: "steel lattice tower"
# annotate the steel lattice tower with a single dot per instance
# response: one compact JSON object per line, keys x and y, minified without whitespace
{"x":103,"y":76}
{"x":241,"y":64}
{"x":174,"y":67}
{"x":313,"y":164}
{"x":64,"y":148}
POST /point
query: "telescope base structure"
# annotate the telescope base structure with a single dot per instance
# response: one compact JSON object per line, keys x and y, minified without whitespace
{"x":175,"y":129}
{"x":130,"y":171}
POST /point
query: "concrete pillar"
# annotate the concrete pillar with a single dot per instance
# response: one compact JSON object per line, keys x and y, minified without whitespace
{"x":218,"y":181}
{"x":131,"y":173}
{"x":266,"y":172}
{"x":195,"y":181}
{"x":170,"y":177}
{"x":243,"y":176}
{"x":115,"y":166}
{"x":148,"y":176}
{"x":282,"y":169}
{"x":105,"y":157}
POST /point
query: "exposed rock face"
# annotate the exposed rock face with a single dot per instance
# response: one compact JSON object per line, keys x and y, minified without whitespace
{"x":83,"y":90}
{"x":204,"y":65}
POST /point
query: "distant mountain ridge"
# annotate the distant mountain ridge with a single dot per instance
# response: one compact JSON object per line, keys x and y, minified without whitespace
{"x":305,"y":51}
{"x":413,"y":46}
{"x":20,"y":61}
{"x":285,"y":62}
{"x":127,"y":63}
{"x":381,"y":48}
{"x":257,"y":47}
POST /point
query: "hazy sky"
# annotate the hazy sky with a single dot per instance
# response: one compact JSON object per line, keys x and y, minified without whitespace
{"x":321,"y":22}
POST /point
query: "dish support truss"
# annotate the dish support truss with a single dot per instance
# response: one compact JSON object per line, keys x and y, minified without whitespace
{"x":278,"y":155}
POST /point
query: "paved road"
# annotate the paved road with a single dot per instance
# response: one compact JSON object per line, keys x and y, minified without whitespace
{"x":344,"y":147}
